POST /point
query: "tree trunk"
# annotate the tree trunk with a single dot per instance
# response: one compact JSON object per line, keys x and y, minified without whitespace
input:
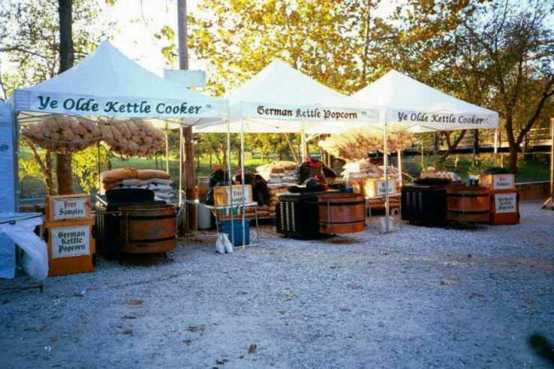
{"x":514,"y":150}
{"x":64,"y":172}
{"x":513,"y":144}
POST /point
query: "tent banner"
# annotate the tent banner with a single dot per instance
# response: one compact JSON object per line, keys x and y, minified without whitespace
{"x":442,"y":120}
{"x":306,"y":113}
{"x":116,"y":106}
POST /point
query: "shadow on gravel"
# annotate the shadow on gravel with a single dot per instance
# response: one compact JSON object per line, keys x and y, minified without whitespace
{"x":145,"y":260}
{"x":542,"y":348}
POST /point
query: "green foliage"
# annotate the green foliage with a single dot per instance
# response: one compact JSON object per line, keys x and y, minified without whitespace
{"x":86,"y":165}
{"x":29,"y":37}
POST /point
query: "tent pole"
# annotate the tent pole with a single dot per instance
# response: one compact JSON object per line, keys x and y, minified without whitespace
{"x":386,"y":173}
{"x":303,"y":144}
{"x":549,"y":204}
{"x":496,"y":146}
{"x":180,"y":166}
{"x":242,"y":180}
{"x":399,"y":155}
{"x":166,"y":148}
{"x":422,"y":156}
{"x":552,"y":163}
{"x":230,"y":176}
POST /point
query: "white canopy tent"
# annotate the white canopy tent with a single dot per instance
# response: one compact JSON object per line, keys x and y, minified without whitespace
{"x":281,"y":99}
{"x":108,"y":83}
{"x":421,"y":108}
{"x":413,"y":105}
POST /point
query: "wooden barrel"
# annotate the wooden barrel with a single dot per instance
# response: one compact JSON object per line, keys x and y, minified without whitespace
{"x":148,"y":229}
{"x":341,"y":213}
{"x":468,"y":204}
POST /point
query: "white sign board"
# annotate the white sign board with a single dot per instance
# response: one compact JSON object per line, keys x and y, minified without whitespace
{"x":116,"y":106}
{"x":188,"y":78}
{"x":441,"y":120}
{"x":70,"y":208}
{"x":381,"y":188}
{"x":505,"y":203}
{"x":503,"y":181}
{"x":70,"y":241}
{"x":306,"y":113}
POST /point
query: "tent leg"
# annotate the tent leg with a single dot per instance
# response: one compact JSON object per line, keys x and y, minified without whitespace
{"x":166,"y":150}
{"x":422,"y":156}
{"x":303,"y":146}
{"x":180,"y":166}
{"x":399,"y":155}
{"x":386,"y":173}
{"x":496,"y":137}
{"x":230,"y":180}
{"x":549,"y":204}
{"x":242,"y":180}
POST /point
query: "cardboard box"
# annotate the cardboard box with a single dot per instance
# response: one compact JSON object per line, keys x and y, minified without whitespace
{"x":70,"y":247}
{"x":222,"y":195}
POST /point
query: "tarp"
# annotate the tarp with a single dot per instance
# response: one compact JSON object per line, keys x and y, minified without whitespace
{"x":108,"y":83}
{"x":422,"y":108}
{"x":281,"y":99}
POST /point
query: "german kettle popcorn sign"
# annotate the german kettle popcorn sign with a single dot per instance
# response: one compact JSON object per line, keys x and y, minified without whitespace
{"x":70,"y":241}
{"x":505,"y":203}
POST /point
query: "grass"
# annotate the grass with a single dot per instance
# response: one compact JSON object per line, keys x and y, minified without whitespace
{"x":535,"y":168}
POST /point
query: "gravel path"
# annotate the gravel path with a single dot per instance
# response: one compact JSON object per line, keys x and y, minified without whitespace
{"x":417,"y":298}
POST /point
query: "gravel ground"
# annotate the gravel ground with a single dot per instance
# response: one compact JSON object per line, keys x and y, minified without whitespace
{"x":417,"y":298}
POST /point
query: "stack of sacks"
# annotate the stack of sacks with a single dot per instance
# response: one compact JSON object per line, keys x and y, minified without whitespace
{"x":151,"y":179}
{"x":361,"y":169}
{"x":63,"y":134}
{"x":431,"y":172}
{"x":133,"y":137}
{"x":277,"y":174}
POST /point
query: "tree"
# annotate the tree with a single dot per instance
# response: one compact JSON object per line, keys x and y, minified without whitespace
{"x":518,"y":48}
{"x":64,"y":172}
{"x":238,"y":38}
{"x":43,"y":39}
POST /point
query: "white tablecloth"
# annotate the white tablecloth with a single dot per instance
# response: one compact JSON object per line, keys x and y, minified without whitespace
{"x":19,"y":228}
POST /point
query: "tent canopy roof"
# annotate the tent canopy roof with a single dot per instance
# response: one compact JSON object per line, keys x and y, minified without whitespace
{"x":108,"y":75}
{"x":280,"y":87}
{"x":279,"y":83}
{"x":399,"y":93}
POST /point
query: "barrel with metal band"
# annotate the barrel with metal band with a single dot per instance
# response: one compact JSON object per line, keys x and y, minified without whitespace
{"x":341,"y":213}
{"x":148,"y":229}
{"x":469,"y":204}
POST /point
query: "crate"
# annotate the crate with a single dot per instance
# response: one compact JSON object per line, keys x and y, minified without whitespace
{"x":425,"y":205}
{"x":234,"y":231}
{"x":498,"y":181}
{"x":68,"y":207}
{"x":504,"y":207}
{"x":70,"y":247}
{"x":240,"y":194}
